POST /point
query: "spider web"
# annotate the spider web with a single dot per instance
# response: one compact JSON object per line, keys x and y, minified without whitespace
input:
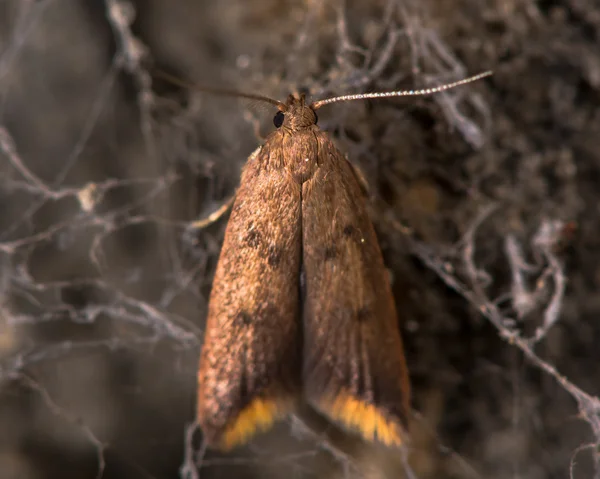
{"x":106,"y":252}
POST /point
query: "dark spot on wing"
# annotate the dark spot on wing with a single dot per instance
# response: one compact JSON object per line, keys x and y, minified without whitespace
{"x":330,"y":252}
{"x":353,"y":233}
{"x":350,"y":231}
{"x":243,"y":319}
{"x":363,"y":314}
{"x":274,"y":256}
{"x":253,"y":238}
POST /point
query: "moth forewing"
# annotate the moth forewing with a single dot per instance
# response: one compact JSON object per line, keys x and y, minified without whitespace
{"x":354,"y":366}
{"x":249,"y":373}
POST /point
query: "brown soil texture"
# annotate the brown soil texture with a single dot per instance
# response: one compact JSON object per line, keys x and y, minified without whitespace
{"x":485,"y":199}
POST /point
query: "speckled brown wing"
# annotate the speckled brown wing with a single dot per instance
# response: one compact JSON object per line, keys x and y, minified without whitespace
{"x":354,"y":366}
{"x":250,"y":363}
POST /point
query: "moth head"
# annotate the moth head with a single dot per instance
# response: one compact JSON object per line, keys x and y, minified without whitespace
{"x":295,"y":114}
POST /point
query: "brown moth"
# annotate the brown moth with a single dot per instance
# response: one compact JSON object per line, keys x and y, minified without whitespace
{"x":301,"y":306}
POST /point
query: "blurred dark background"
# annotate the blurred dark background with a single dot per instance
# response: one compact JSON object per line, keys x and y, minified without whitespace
{"x":104,"y":276}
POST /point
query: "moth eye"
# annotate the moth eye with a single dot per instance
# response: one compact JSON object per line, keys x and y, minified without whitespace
{"x":278,"y":119}
{"x":316,"y":117}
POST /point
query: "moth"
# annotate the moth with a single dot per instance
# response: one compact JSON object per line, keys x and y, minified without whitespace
{"x":301,"y":307}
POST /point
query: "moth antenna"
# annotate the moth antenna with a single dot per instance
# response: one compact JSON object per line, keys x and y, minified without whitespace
{"x":388,"y":94}
{"x":219,"y":91}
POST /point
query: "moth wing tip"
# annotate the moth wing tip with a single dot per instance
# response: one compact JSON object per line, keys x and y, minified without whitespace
{"x":258,"y":416}
{"x":366,"y":419}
